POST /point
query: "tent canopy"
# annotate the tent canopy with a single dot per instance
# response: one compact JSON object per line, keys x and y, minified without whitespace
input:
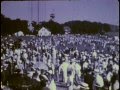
{"x":20,"y":33}
{"x":44,"y":32}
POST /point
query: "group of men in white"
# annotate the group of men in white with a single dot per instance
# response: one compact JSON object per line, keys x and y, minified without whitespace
{"x":39,"y":53}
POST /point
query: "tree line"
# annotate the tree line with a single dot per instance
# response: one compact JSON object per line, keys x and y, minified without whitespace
{"x":87,"y":27}
{"x":9,"y":26}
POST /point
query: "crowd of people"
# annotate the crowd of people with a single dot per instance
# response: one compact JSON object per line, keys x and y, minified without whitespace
{"x":82,"y":62}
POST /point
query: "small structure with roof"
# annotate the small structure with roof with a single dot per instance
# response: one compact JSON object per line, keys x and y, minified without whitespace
{"x":44,"y":32}
{"x":19,"y":33}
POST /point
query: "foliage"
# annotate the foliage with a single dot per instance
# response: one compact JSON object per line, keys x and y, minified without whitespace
{"x":9,"y":26}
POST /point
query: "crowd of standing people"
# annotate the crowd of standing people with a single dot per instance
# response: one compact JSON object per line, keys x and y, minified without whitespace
{"x":82,"y":62}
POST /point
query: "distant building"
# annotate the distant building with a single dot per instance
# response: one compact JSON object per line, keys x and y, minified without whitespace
{"x":67,"y":30}
{"x":44,"y":32}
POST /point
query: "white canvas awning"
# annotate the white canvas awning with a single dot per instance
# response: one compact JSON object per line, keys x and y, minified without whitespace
{"x":44,"y":32}
{"x":20,"y":33}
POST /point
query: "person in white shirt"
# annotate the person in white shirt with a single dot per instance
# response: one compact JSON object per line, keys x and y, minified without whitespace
{"x":71,"y":71}
{"x":115,"y":68}
{"x":108,"y":80}
{"x":64,"y":67}
{"x":116,"y":85}
{"x":85,"y":65}
{"x":98,"y":83}
{"x":52,"y":85}
{"x":24,"y":59}
{"x":77,"y":68}
{"x":70,"y":80}
{"x":94,"y":54}
{"x":44,"y":58}
{"x":54,"y":53}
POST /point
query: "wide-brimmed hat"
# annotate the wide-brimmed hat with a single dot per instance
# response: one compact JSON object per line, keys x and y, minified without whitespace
{"x":84,"y":85}
{"x":96,"y":70}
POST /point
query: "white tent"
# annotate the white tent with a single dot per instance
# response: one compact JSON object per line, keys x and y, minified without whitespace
{"x":20,"y":33}
{"x":44,"y":32}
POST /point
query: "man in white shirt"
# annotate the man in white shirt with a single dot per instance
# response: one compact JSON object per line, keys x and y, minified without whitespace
{"x":85,"y":65}
{"x":94,"y":54}
{"x":64,"y":67}
{"x":52,"y":85}
{"x":116,"y":85}
{"x":54,"y":52}
{"x":115,"y":68}
{"x":98,"y":83}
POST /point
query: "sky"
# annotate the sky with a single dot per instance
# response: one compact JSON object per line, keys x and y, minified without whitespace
{"x":105,"y":11}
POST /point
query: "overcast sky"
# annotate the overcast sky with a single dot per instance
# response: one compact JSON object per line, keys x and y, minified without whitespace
{"x":105,"y":11}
